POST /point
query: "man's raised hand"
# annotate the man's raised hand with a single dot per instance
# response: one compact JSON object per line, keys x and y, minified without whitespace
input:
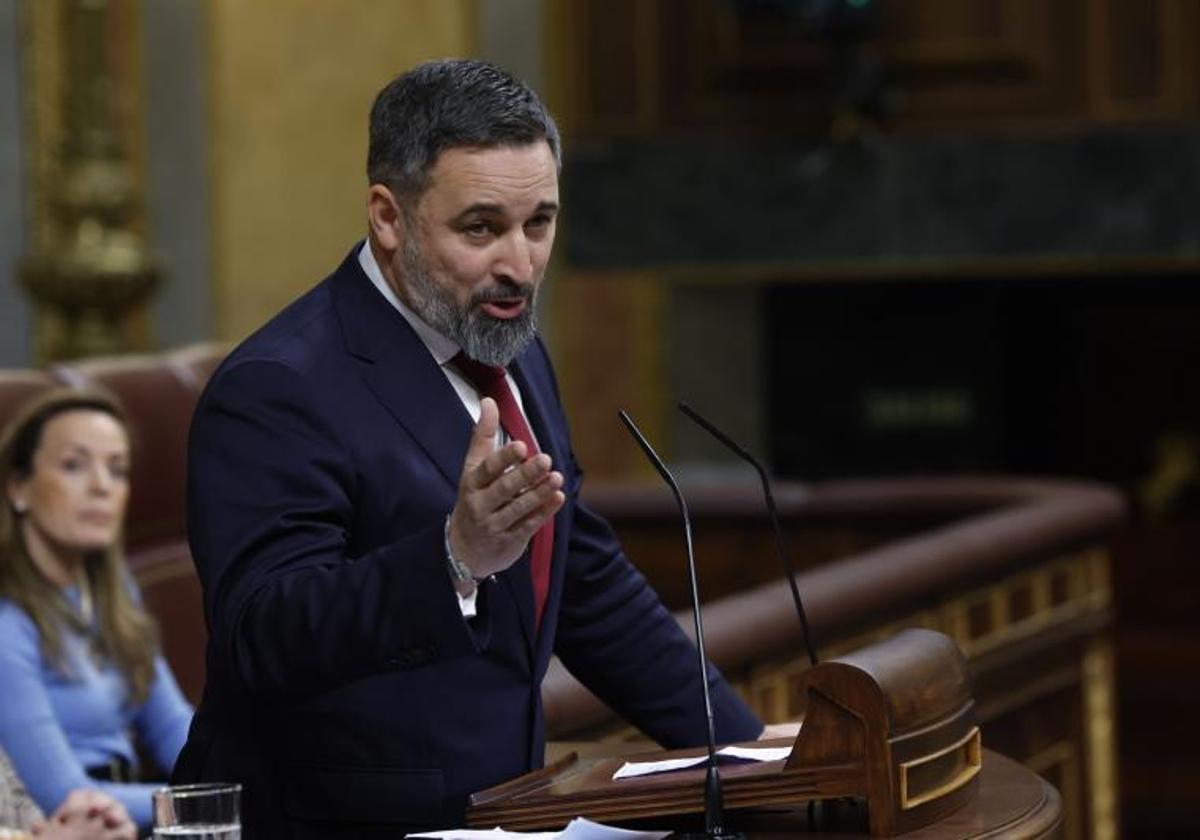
{"x":504,"y":497}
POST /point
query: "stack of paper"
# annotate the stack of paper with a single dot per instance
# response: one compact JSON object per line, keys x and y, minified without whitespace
{"x":578,"y":829}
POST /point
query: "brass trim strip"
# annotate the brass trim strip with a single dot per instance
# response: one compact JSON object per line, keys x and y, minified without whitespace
{"x":974,"y":764}
{"x":1099,"y":739}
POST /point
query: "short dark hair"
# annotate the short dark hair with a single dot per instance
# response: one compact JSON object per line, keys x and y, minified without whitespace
{"x":446,"y":104}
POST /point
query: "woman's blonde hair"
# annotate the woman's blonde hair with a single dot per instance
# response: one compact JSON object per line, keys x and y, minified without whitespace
{"x":126,"y":634}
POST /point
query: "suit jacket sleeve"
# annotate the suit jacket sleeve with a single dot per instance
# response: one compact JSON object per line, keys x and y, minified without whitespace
{"x":271,"y":504}
{"x":616,"y":637}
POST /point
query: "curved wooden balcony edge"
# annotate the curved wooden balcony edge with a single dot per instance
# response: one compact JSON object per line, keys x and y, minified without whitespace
{"x":1006,"y":524}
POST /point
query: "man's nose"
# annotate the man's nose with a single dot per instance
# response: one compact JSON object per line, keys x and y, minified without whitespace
{"x":516,"y":260}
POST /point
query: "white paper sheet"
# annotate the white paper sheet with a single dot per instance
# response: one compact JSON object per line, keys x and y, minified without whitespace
{"x":485,"y":834}
{"x":581,"y":829}
{"x":577,"y":829}
{"x":756,"y":753}
{"x":632,"y":769}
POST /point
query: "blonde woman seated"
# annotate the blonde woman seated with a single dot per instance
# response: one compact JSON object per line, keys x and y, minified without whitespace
{"x":79,"y":665}
{"x":86,"y":815}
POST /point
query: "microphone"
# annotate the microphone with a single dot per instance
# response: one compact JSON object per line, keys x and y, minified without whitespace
{"x":789,"y":568}
{"x":714,"y":799}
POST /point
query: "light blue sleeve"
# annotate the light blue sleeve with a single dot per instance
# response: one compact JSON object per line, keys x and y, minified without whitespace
{"x":30,"y":732}
{"x":163,"y":720}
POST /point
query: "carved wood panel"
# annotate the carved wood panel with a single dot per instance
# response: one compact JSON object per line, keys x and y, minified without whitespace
{"x":666,"y":66}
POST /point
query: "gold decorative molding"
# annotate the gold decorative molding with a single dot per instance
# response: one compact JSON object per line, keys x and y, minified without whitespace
{"x":1057,"y":592}
{"x":88,"y":271}
{"x":41,"y":66}
{"x":1176,"y":472}
{"x":770,"y":688}
{"x":952,"y":767}
{"x":1059,"y":763}
{"x":1100,"y":719}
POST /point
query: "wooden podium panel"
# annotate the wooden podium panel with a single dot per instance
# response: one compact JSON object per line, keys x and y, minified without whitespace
{"x":1012,"y":802}
{"x":891,"y":725}
{"x":573,"y":786}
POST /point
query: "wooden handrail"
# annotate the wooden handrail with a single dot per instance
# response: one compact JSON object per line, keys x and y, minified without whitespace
{"x":996,"y":526}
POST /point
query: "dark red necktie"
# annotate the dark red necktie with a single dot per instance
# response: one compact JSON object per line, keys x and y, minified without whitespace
{"x":490,"y":382}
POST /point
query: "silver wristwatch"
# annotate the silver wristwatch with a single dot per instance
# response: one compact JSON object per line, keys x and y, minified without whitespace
{"x":459,"y":570}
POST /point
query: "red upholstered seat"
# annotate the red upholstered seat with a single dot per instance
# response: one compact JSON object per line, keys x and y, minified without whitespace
{"x":195,"y":363}
{"x":18,"y":387}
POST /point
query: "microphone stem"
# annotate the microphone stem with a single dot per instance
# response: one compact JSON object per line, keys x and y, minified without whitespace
{"x":687,"y":534}
{"x":714,"y":798}
{"x":714,"y":803}
{"x":789,"y":569}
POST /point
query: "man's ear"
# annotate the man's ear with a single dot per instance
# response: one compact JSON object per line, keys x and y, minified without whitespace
{"x":385,"y":218}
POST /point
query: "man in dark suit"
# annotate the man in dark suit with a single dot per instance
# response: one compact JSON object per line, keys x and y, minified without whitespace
{"x":384,"y":507}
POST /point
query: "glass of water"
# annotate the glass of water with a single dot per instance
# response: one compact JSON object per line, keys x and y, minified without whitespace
{"x":209,"y":811}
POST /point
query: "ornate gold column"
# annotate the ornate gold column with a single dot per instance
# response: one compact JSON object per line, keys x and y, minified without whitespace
{"x":89,"y":272}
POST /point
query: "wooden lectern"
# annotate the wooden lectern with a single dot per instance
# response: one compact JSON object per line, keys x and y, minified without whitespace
{"x":892,"y":724}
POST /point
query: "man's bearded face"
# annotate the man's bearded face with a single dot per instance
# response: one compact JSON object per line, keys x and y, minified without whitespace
{"x":481,"y":336}
{"x":476,"y":247}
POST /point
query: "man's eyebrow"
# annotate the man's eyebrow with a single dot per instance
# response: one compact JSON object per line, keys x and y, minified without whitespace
{"x":482,"y":207}
{"x":486,"y":208}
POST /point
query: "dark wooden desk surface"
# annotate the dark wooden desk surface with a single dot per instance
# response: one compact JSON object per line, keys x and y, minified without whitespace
{"x":1013,"y":802}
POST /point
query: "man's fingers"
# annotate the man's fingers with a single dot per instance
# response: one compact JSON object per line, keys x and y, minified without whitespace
{"x":535,"y":520}
{"x":518,"y":479}
{"x":503,"y":497}
{"x":501,"y":537}
{"x":484,"y":474}
{"x":523,"y":514}
{"x":483,"y":438}
{"x":527,"y":512}
{"x":509,"y":508}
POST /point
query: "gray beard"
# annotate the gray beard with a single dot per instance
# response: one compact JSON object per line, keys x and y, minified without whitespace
{"x":492,"y":341}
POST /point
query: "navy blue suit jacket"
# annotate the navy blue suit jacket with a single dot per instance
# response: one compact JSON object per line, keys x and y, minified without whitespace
{"x":345,"y":690}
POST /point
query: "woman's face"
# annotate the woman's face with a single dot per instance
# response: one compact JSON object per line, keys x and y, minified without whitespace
{"x":74,"y":498}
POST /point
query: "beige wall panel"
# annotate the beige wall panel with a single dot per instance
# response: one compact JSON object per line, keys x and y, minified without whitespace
{"x":292,"y":84}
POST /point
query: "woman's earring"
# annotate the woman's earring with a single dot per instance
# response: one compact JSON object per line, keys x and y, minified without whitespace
{"x":19,"y":507}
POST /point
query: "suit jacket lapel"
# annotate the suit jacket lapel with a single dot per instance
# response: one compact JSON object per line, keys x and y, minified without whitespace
{"x":402,"y":374}
{"x":410,"y":384}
